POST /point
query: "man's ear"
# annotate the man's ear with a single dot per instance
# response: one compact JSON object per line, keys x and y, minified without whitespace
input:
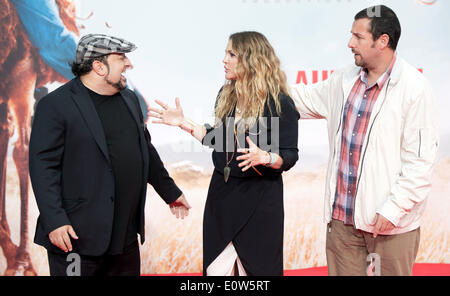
{"x":383,"y":41}
{"x":99,"y":68}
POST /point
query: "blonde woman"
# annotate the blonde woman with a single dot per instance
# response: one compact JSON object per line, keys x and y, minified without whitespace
{"x":254,"y":141}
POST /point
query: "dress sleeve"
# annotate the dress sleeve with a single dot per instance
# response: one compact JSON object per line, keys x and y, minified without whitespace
{"x":288,"y":130}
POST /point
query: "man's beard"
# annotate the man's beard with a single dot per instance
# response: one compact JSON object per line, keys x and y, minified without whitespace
{"x":117,"y":85}
{"x":359,"y":62}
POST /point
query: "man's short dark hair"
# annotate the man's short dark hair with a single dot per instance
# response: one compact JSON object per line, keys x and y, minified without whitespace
{"x":383,"y":21}
{"x":86,"y":67}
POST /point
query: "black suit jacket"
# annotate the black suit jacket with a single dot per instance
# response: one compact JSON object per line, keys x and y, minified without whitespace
{"x":71,"y":173}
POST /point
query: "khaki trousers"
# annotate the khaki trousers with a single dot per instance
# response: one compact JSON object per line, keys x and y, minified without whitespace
{"x":353,"y":252}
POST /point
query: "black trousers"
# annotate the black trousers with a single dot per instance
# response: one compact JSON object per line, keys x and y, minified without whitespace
{"x":126,"y":264}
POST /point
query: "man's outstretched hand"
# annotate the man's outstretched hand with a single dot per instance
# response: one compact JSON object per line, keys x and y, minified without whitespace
{"x":180,"y":207}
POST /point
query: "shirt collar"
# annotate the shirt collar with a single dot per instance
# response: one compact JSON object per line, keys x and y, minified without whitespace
{"x":383,"y":78}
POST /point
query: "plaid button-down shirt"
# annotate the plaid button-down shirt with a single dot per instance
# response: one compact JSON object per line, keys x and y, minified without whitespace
{"x":357,"y":112}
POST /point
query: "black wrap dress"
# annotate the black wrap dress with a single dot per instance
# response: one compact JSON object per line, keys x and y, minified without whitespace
{"x":247,"y":210}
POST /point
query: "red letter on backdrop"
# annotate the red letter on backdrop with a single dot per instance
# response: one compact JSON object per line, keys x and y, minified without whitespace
{"x":301,"y":77}
{"x":315,"y":74}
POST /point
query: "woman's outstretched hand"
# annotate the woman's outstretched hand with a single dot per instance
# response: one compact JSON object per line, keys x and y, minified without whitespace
{"x":168,"y":116}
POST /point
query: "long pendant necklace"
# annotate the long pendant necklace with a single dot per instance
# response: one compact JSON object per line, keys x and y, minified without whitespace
{"x":227,"y":169}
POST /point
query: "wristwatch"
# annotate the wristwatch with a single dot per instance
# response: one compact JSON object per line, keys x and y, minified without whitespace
{"x":273,"y":160}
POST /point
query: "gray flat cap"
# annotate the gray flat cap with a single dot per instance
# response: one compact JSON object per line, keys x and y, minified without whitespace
{"x":96,"y":45}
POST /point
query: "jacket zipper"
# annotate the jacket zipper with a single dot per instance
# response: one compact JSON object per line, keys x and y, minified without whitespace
{"x":334,"y":153}
{"x":364,"y":154}
{"x":420,"y":144}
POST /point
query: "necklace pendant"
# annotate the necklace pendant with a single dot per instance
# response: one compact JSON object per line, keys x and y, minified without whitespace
{"x":226,"y":173}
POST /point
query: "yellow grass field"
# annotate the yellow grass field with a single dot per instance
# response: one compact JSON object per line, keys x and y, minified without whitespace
{"x":175,"y":246}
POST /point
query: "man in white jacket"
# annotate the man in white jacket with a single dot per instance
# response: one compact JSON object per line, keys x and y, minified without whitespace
{"x":383,"y":141}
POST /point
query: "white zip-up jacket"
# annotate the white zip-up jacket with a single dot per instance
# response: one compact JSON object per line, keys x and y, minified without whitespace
{"x":399,"y":150}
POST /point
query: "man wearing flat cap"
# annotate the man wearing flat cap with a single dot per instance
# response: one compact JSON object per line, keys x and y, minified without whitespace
{"x":90,"y":160}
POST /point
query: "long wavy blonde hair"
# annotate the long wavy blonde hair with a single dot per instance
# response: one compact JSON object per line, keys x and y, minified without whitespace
{"x":259,"y":78}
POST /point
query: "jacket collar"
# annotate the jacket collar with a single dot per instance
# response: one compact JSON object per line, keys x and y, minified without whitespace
{"x":87,"y":109}
{"x":354,"y":72}
{"x":83,"y":100}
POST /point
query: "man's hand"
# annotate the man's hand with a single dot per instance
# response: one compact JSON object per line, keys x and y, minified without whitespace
{"x":382,"y":225}
{"x":180,"y":207}
{"x":60,"y":237}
